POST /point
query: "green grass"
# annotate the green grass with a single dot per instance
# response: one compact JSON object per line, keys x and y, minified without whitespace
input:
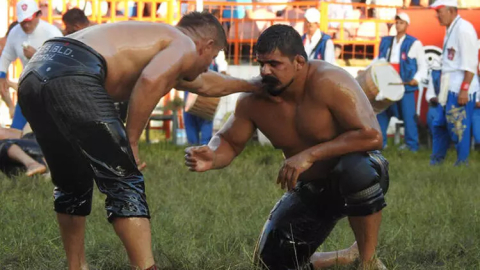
{"x":212,"y":220}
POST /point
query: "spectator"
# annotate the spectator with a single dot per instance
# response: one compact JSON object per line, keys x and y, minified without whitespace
{"x":22,"y":42}
{"x":318,"y":45}
{"x":74,"y":20}
{"x":21,"y":156}
{"x":459,"y":84}
{"x":10,"y":84}
{"x":405,"y":53}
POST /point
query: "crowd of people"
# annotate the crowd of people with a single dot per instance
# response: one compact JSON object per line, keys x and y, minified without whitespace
{"x":315,"y":112}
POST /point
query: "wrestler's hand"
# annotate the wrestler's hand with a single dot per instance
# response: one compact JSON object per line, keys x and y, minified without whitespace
{"x":462,"y":98}
{"x":199,"y":158}
{"x":29,"y":51}
{"x":140,"y":165}
{"x":477,"y":104}
{"x":434,"y":101}
{"x":292,"y":168}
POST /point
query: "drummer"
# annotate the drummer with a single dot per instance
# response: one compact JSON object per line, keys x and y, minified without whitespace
{"x":199,"y":130}
{"x":405,"y":53}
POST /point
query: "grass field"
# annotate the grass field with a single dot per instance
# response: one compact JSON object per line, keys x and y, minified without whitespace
{"x":212,"y":220}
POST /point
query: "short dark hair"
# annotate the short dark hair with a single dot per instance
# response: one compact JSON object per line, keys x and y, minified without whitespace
{"x":204,"y":24}
{"x":282,"y":37}
{"x":74,"y":16}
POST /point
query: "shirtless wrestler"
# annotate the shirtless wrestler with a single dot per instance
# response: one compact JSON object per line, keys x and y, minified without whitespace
{"x":320,"y":118}
{"x":67,"y":93}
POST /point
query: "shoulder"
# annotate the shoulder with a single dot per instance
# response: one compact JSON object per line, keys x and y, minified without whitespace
{"x":466,"y":28}
{"x":329,"y":82}
{"x":244,"y":103}
{"x":16,"y":30}
{"x":386,"y":38}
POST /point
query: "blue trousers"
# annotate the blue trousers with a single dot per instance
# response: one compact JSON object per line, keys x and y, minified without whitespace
{"x":19,"y":121}
{"x":476,"y":125}
{"x":199,"y":130}
{"x":452,"y":123}
{"x":403,"y":110}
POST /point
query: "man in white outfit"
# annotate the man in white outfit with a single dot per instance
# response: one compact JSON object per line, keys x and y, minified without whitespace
{"x":22,"y":42}
{"x":459,"y":84}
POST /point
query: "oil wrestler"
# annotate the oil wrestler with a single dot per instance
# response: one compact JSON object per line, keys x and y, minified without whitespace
{"x":321,"y":119}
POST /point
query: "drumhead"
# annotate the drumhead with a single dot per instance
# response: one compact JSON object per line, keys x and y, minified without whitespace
{"x":383,"y":75}
{"x":191,"y":98}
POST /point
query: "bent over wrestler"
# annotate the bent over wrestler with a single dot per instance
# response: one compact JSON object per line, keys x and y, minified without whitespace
{"x":67,"y":93}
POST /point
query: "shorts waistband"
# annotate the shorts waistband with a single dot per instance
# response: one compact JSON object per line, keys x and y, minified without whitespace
{"x":65,"y":56}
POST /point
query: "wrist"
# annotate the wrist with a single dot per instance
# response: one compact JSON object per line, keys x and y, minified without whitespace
{"x":214,"y":162}
{"x":465,"y":86}
{"x":3,"y":75}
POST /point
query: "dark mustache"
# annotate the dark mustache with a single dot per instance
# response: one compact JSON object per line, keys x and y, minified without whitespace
{"x":270,"y":80}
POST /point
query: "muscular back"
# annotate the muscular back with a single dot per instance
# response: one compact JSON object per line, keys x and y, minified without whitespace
{"x":128,"y":47}
{"x":331,"y":104}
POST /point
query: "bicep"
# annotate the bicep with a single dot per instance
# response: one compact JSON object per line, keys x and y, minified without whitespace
{"x":350,"y":106}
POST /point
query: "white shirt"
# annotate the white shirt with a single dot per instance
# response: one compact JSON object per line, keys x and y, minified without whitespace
{"x":14,"y":49}
{"x":221,"y":62}
{"x":310,"y":47}
{"x":459,"y":55}
{"x":416,"y":51}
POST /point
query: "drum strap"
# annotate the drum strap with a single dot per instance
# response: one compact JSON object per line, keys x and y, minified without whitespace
{"x":316,"y":46}
{"x":390,"y":50}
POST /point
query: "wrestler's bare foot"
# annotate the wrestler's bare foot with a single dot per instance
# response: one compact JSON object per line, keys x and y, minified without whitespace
{"x":374,"y":264}
{"x":35,"y":168}
{"x":342,"y":257}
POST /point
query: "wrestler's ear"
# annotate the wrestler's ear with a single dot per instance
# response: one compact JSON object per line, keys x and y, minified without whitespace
{"x":210,"y":44}
{"x":299,"y":62}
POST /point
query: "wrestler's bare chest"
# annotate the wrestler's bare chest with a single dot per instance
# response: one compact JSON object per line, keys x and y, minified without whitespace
{"x":293,"y":127}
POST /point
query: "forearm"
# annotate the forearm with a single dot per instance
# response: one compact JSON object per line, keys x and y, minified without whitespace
{"x":6,"y":98}
{"x":142,"y":102}
{"x":224,"y":152}
{"x":361,"y":140}
{"x":213,"y":84}
{"x":5,"y":61}
{"x":467,"y":79}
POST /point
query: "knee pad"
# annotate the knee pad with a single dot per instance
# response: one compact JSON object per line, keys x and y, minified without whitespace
{"x":363,"y":180}
{"x":78,"y":204}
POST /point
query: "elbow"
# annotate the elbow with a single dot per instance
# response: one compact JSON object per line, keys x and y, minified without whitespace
{"x":145,"y":82}
{"x":374,"y":139}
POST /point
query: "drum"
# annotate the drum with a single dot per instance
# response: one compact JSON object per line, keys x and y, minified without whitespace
{"x":204,"y":107}
{"x":382,"y":85}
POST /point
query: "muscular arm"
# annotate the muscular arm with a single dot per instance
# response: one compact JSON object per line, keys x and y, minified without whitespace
{"x":156,"y":80}
{"x":8,"y":56}
{"x":230,"y":141}
{"x":214,"y":84}
{"x":353,"y":114}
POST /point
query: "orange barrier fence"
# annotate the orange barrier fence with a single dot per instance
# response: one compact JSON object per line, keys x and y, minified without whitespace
{"x":356,"y":37}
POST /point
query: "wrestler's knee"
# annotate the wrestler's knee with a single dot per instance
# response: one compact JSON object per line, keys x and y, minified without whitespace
{"x":73,"y":203}
{"x":276,"y":250}
{"x":363,"y":179}
{"x":125,"y":197}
